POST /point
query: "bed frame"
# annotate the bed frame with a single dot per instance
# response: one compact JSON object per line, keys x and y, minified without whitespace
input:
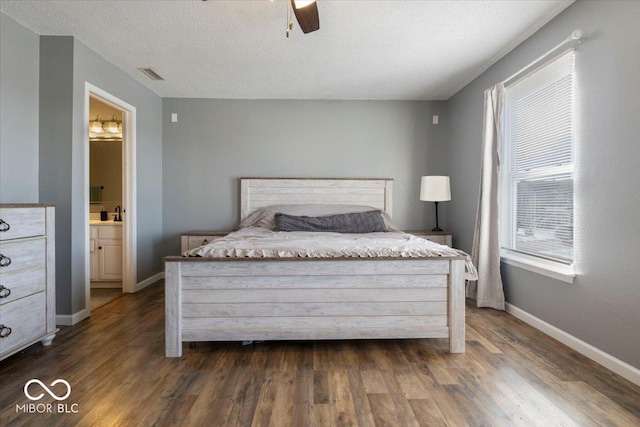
{"x":229,"y":299}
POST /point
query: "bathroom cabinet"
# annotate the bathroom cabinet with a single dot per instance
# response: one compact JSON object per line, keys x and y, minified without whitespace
{"x":106,"y":252}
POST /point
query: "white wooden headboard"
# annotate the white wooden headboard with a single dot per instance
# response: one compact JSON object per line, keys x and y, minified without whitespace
{"x":259,"y":192}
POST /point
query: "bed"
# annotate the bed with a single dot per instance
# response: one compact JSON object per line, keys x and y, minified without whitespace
{"x":246,"y":298}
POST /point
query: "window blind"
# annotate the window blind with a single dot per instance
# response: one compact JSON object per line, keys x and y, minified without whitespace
{"x":537,"y":154}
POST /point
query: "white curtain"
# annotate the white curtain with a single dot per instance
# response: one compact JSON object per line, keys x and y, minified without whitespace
{"x":488,"y":290}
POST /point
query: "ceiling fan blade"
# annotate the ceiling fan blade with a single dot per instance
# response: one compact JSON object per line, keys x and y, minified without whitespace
{"x":307,"y":16}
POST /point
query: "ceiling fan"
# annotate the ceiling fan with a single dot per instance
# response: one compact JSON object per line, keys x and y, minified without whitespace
{"x":306,"y":12}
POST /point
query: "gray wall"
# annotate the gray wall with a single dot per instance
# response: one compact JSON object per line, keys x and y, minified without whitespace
{"x":19,"y":71}
{"x":215,"y":142}
{"x":66,"y":64}
{"x":56,"y":106}
{"x":602,"y":306}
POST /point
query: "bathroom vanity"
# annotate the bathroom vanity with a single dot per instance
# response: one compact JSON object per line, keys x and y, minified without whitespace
{"x":105,"y":247}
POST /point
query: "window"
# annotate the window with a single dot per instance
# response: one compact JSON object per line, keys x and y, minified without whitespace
{"x":537,"y":164}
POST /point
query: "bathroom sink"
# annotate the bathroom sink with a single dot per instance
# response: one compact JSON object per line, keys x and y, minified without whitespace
{"x":109,"y":222}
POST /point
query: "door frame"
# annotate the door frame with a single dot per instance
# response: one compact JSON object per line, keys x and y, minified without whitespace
{"x":129,"y":226}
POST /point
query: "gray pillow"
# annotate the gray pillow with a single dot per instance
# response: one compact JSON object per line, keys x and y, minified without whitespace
{"x":265,"y":216}
{"x":356,"y":222}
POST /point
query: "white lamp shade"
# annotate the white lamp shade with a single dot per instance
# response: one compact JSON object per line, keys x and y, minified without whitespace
{"x":112,"y":127}
{"x":96,"y":126}
{"x":435,"y":189}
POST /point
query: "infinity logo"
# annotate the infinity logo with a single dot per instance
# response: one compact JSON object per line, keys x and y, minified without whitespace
{"x":47,"y":389}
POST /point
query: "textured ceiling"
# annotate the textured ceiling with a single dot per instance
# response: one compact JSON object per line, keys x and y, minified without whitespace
{"x":404,"y":50}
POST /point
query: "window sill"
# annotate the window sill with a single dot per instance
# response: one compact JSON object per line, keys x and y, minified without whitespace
{"x":555,"y":270}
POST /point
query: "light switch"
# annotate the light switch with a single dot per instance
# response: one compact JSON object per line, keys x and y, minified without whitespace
{"x":174,"y":117}
{"x":435,"y":119}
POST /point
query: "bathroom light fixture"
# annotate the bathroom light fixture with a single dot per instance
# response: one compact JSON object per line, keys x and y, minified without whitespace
{"x":111,"y":126}
{"x":435,"y":189}
{"x":103,"y":130}
{"x":96,"y":125}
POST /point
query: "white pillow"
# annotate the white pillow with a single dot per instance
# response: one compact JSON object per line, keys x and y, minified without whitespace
{"x":265,"y":217}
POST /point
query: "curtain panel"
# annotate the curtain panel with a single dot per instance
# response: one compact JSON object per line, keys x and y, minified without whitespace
{"x":488,"y":290}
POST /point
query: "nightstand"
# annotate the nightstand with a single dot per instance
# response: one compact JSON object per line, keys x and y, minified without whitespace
{"x":193,"y":239}
{"x":441,"y":237}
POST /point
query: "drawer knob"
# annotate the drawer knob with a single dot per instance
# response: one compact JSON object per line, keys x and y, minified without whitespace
{"x":4,"y":226}
{"x":4,"y":292}
{"x":205,"y":241}
{"x":4,"y":260}
{"x":5,"y":331}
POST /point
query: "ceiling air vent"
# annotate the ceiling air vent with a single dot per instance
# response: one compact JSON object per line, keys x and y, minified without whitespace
{"x":151,"y":73}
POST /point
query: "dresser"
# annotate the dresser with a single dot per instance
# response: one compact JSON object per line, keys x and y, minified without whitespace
{"x":27,"y":276}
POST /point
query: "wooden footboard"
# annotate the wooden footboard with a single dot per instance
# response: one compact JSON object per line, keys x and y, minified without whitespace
{"x":209,"y":299}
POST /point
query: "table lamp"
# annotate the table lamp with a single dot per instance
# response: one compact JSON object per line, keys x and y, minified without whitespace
{"x":435,"y":189}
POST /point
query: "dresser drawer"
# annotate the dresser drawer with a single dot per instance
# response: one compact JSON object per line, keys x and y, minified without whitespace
{"x":24,"y":320}
{"x":196,"y":241}
{"x":20,"y":255}
{"x":19,"y":223}
{"x":21,"y":283}
{"x":436,"y":239}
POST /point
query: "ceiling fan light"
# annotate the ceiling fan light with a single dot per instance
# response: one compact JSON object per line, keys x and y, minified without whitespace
{"x":307,"y":15}
{"x":299,"y":4}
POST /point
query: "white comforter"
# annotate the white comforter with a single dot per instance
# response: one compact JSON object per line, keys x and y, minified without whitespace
{"x":260,"y":242}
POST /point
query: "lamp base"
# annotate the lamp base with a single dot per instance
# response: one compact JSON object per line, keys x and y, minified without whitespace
{"x":437,"y":226}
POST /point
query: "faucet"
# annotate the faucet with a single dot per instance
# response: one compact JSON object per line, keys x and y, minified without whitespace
{"x":118,"y":214}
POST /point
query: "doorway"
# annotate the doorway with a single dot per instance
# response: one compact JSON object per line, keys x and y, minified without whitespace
{"x":105,"y":202}
{"x":110,"y":220}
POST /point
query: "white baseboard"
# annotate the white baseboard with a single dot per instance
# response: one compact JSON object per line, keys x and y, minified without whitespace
{"x":149,"y":281}
{"x":71,"y":319}
{"x":608,"y":361}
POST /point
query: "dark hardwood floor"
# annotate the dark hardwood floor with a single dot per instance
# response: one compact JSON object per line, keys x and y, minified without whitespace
{"x":511,"y":374}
